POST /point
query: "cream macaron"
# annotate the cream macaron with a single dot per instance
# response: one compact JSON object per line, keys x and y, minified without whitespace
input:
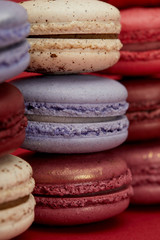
{"x":72,"y":36}
{"x":16,"y":202}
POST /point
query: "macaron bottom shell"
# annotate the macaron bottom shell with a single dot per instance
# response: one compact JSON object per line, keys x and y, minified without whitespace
{"x":146,"y":194}
{"x":75,"y":138}
{"x":17,"y":219}
{"x":73,"y":59}
{"x":14,"y":60}
{"x":75,"y":216}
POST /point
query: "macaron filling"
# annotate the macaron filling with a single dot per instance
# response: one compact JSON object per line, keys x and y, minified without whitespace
{"x":13,"y":203}
{"x":84,"y":194}
{"x":78,"y":36}
{"x":41,"y":129}
{"x":75,"y":110}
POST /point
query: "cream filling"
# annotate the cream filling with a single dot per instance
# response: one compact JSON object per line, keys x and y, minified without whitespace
{"x":15,"y":211}
{"x":53,"y":119}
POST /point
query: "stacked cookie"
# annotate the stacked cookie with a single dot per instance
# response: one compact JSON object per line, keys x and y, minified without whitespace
{"x":139,"y":63}
{"x":75,"y":113}
{"x":16,"y":182}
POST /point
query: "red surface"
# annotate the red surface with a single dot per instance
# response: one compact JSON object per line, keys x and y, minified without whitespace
{"x":134,"y":224}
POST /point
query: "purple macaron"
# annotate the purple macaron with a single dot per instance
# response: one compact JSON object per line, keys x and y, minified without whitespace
{"x":74,"y":113}
{"x":79,"y":188}
{"x":14,"y":27}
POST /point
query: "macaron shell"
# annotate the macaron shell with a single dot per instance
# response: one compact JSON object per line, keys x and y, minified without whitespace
{"x":144,"y":107}
{"x":19,"y":183}
{"x":12,"y":119}
{"x":14,"y":26}
{"x":144,"y":161}
{"x":14,"y":60}
{"x":71,"y":89}
{"x":72,"y":56}
{"x":74,"y":216}
{"x":17,"y":219}
{"x":75,"y":138}
{"x":62,"y":17}
{"x":76,"y":168}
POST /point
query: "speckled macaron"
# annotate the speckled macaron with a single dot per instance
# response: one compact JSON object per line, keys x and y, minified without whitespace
{"x":16,"y":201}
{"x":72,"y":36}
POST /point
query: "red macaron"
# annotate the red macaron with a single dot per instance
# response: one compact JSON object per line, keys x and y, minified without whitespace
{"x":130,"y":3}
{"x":143,"y":158}
{"x":144,"y":107}
{"x":140,"y":36}
{"x":12,"y":119}
{"x":77,"y":189}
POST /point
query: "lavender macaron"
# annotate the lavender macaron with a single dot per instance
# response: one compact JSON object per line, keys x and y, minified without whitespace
{"x":14,"y":28}
{"x":74,"y":113}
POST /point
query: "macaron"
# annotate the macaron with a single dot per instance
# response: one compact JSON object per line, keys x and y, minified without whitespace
{"x":144,"y":107}
{"x":131,"y":3}
{"x":78,"y":189}
{"x":12,"y":119}
{"x":16,"y":202}
{"x":140,"y":36}
{"x":143,"y":158}
{"x":72,"y":36}
{"x":14,"y":27}
{"x":73,"y":113}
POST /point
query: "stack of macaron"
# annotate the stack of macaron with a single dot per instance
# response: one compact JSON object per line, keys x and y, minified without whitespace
{"x":71,"y":116}
{"x":16,"y":182}
{"x":139,"y":67}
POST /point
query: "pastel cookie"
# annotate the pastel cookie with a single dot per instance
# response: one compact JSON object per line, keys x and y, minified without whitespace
{"x":16,"y":202}
{"x":143,"y":158}
{"x":14,"y":28}
{"x":12,"y":119}
{"x":72,"y":36}
{"x":74,"y":113}
{"x":144,"y":108}
{"x":78,"y":189}
{"x":140,"y":36}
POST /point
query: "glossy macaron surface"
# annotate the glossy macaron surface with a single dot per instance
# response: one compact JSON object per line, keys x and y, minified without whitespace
{"x":77,"y":189}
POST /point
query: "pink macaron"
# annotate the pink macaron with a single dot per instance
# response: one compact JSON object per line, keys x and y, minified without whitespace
{"x":143,"y":158}
{"x":140,"y":36}
{"x":78,"y":189}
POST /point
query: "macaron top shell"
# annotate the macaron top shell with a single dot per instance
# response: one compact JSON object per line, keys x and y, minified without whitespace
{"x":140,"y":25}
{"x":14,"y":25}
{"x":15,"y":178}
{"x":11,"y":102}
{"x":72,"y":89}
{"x":82,"y":168}
{"x":74,"y":16}
{"x":143,"y":94}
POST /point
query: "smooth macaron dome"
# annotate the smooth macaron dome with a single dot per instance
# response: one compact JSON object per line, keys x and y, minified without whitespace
{"x":144,"y":108}
{"x":16,"y":202}
{"x":72,"y":36}
{"x":78,"y":189}
{"x":140,"y":36}
{"x":144,"y":161}
{"x":12,"y":119}
{"x":14,"y":28}
{"x":74,"y":113}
